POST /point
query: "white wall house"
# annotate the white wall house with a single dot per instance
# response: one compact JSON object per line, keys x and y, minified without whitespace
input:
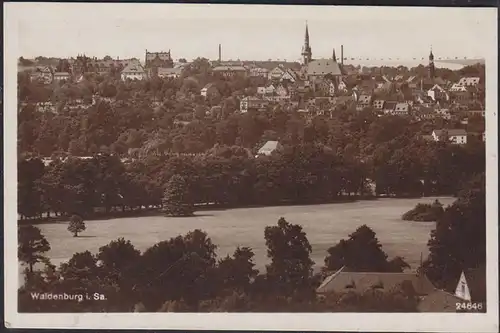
{"x":133,"y":72}
{"x":456,"y":136}
{"x":253,"y":103}
{"x":469,"y":81}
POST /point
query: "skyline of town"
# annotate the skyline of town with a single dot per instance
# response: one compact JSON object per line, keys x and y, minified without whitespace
{"x":358,"y":29}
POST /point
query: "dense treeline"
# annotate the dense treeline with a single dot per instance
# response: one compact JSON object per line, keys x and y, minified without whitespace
{"x":230,"y":177}
{"x":184,"y":273}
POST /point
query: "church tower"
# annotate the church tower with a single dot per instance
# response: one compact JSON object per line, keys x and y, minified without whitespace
{"x":306,"y":49}
{"x":432,"y":69}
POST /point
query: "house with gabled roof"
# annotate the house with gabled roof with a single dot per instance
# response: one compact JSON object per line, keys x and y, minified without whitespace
{"x":276,"y":73}
{"x":42,"y":74}
{"x":343,"y":281}
{"x":401,"y":109}
{"x":133,"y":72}
{"x":471,"y":285}
{"x":438,"y":93}
{"x":289,"y":75}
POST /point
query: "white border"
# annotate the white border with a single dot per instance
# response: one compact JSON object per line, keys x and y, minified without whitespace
{"x":418,"y":322}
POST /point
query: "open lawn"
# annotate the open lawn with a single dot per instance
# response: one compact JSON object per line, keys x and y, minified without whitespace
{"x":325,"y":225}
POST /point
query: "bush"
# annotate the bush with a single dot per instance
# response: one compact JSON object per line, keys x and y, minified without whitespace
{"x":425,"y":212}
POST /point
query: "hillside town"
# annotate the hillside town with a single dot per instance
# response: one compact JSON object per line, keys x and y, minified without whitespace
{"x":315,"y":87}
{"x":111,"y":138}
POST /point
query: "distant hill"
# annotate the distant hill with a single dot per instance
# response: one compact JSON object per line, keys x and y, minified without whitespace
{"x":464,"y":62}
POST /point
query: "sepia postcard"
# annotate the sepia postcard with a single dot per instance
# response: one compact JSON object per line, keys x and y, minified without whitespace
{"x":250,"y":167}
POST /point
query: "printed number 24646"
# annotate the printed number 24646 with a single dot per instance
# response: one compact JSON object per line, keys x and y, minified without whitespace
{"x":468,"y":306}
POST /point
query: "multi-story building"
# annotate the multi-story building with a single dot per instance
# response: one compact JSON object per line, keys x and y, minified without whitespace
{"x":251,"y":103}
{"x":456,"y":136}
{"x":169,"y":72}
{"x":62,"y":76}
{"x":258,"y":72}
{"x":401,"y":109}
{"x":230,"y":71}
{"x":469,"y":81}
{"x":158,"y":59}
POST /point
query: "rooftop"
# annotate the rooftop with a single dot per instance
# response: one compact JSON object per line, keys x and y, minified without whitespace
{"x":342,"y":281}
{"x":229,"y":69}
{"x":269,"y":147}
{"x":324,"y":67}
{"x":451,"y":132}
{"x":133,"y":68}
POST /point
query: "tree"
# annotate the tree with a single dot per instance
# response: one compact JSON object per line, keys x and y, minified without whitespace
{"x":76,"y":225}
{"x":362,"y":252}
{"x":118,"y":260}
{"x":458,"y":242}
{"x":176,"y":198}
{"x":30,"y":192}
{"x":237,"y":272}
{"x":31,"y":246}
{"x":178,"y":268}
{"x":291,"y":266}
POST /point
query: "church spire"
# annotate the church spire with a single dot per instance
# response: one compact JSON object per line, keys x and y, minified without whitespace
{"x":334,"y":57}
{"x":306,"y":49}
{"x":432,"y":69}
{"x":306,"y":38}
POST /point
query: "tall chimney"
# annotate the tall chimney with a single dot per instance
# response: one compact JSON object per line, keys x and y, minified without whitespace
{"x":220,"y":53}
{"x":341,"y":54}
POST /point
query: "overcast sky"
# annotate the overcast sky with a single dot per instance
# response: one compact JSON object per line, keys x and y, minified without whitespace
{"x":247,"y":31}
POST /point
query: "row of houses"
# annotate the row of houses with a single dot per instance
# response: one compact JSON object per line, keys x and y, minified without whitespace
{"x":47,"y":75}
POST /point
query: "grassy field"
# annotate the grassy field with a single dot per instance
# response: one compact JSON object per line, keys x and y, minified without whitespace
{"x":325,"y":225}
